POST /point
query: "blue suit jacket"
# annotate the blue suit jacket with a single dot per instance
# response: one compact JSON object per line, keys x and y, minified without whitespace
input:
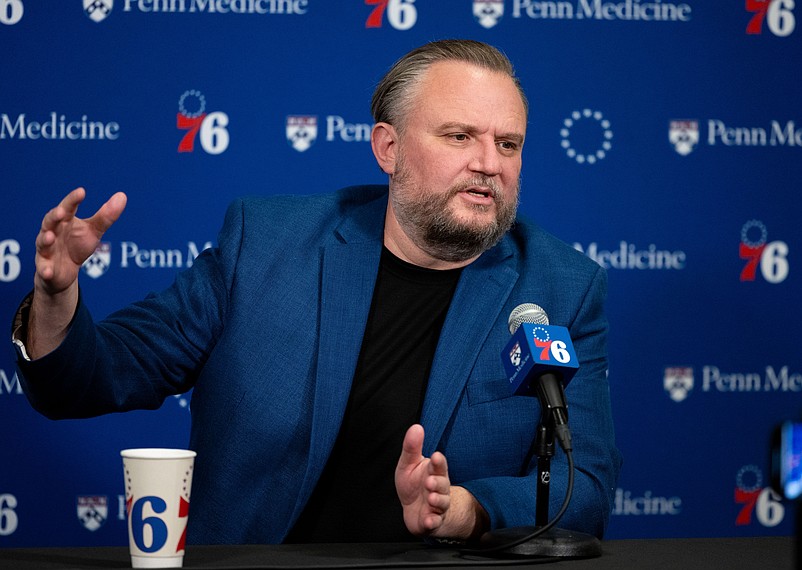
{"x":267,"y":329}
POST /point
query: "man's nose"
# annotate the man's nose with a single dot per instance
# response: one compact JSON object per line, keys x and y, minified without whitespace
{"x":486,"y":159}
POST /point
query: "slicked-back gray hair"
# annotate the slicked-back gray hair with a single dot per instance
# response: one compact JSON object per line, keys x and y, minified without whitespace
{"x":395,"y":93}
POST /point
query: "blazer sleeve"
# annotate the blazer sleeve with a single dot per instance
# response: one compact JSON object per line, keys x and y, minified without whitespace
{"x":510,"y":501}
{"x":140,"y":355}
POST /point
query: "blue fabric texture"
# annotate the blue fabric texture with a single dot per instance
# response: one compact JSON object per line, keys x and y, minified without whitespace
{"x":266,"y":328}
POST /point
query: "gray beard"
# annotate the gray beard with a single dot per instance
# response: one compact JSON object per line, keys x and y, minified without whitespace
{"x":426,"y":218}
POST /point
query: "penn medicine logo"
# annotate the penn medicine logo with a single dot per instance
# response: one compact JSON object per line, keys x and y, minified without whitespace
{"x":98,"y":10}
{"x":683,"y":135}
{"x":626,"y":10}
{"x":629,"y":256}
{"x":134,"y":256}
{"x":301,"y":131}
{"x":488,"y":12}
{"x":678,"y":382}
{"x":99,"y":262}
{"x":92,"y":511}
{"x":57,"y":127}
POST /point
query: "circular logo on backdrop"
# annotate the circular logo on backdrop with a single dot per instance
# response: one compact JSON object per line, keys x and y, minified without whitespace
{"x":192,"y":104}
{"x":749,"y":478}
{"x":586,"y":136}
{"x":750,"y":232}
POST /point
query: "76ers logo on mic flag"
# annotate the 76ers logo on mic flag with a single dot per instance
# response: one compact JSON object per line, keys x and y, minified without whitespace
{"x":538,"y":348}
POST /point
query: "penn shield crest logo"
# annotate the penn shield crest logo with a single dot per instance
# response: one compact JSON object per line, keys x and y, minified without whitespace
{"x":92,"y":511}
{"x":678,"y":382}
{"x":99,"y":262}
{"x":301,"y":131}
{"x":684,"y":135}
{"x":98,"y":10}
{"x":488,"y":12}
{"x":515,"y":354}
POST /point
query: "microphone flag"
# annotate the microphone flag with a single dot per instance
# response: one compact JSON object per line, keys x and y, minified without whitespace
{"x":537,"y":349}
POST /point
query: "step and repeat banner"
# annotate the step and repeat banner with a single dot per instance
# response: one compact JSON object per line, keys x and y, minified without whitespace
{"x":664,"y":142}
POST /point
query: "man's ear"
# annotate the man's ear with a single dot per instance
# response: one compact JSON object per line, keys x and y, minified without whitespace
{"x":384,"y":142}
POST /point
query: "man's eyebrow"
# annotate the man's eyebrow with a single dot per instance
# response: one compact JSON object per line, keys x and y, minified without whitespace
{"x":467,"y":128}
{"x":456,"y":126}
{"x":517,"y":138}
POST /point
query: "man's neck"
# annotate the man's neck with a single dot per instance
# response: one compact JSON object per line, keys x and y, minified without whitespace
{"x":400,"y":245}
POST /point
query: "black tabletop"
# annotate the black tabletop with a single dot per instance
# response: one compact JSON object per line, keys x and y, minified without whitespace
{"x":725,"y":553}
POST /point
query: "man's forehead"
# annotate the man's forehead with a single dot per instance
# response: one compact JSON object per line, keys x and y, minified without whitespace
{"x":457,"y":92}
{"x":445,"y":78}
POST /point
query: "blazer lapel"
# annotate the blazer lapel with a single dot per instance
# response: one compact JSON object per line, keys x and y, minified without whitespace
{"x":350,"y":264}
{"x":481,"y":294}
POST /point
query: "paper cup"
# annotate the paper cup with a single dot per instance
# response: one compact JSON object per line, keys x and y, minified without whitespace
{"x":157,"y":487}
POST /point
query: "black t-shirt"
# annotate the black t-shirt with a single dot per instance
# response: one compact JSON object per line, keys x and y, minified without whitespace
{"x":355,"y":499}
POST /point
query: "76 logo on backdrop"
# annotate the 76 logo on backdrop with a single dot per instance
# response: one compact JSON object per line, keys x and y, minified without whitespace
{"x":209,"y":128}
{"x":757,"y":500}
{"x":778,"y":15}
{"x":401,"y":14}
{"x":770,"y":257}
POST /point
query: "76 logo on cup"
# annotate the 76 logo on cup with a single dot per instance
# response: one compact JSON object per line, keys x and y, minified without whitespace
{"x":158,"y":483}
{"x":150,"y":533}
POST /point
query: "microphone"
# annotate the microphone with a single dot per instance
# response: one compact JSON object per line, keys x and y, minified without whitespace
{"x":526,"y":313}
{"x":539,"y":361}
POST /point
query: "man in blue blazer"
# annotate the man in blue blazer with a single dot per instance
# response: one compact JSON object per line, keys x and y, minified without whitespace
{"x":344,"y":349}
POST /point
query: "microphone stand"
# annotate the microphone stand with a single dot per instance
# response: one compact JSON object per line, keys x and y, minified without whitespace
{"x":544,"y":539}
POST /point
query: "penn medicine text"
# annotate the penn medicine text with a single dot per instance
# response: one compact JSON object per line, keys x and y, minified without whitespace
{"x":596,"y":9}
{"x":780,"y":380}
{"x":776,"y":135}
{"x":220,"y":6}
{"x":132,"y":254}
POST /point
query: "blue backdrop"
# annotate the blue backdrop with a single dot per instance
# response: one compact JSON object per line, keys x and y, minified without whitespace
{"x":664,"y":141}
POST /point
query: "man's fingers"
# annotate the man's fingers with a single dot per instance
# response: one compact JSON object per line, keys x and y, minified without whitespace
{"x":108,"y":213}
{"x":432,"y":522}
{"x":439,"y":465}
{"x":45,"y":271}
{"x":439,"y":502}
{"x":45,"y":239}
{"x":412,"y":448}
{"x":66,"y":209}
{"x":69,"y":204}
{"x":437,"y":484}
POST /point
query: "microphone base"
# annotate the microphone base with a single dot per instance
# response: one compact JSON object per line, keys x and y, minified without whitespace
{"x":555,"y":542}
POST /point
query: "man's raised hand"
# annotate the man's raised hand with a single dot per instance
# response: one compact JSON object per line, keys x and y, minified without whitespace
{"x":66,"y":241}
